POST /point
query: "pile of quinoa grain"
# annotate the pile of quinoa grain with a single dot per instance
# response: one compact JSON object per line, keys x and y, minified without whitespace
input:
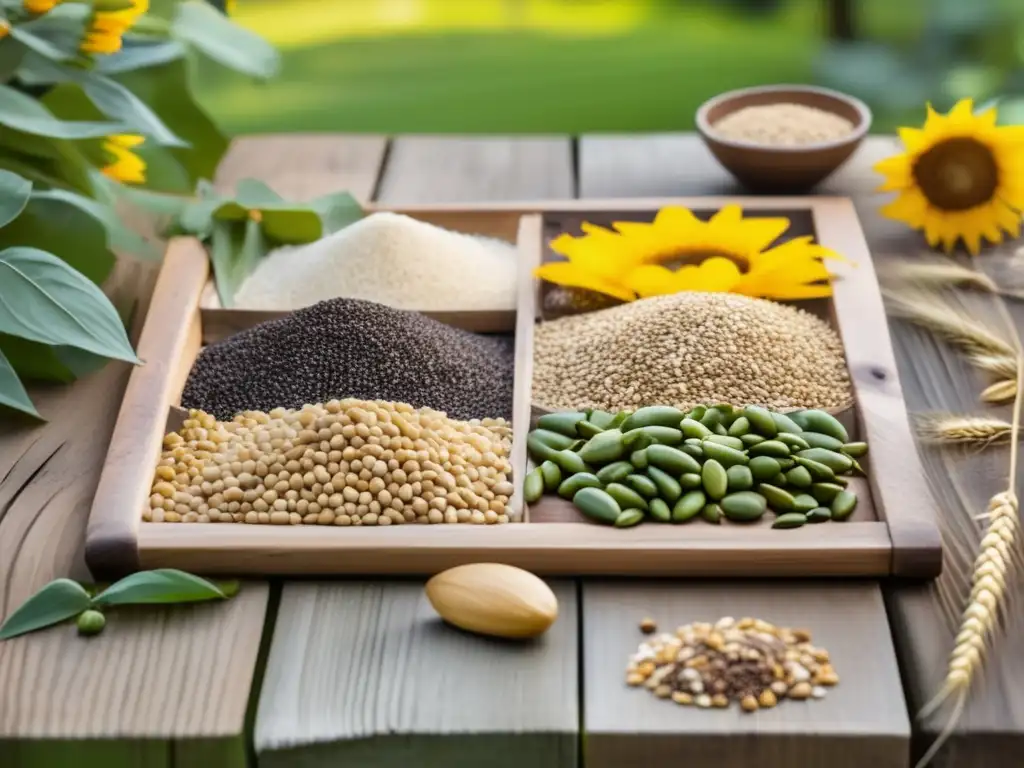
{"x":347,"y":462}
{"x":783,"y":125}
{"x":351,"y":348}
{"x":392,"y":259}
{"x":749,"y":661}
{"x":689,"y":348}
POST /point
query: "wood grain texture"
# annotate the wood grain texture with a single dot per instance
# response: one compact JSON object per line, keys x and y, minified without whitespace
{"x":435,"y":169}
{"x":366,"y":673}
{"x":862,"y":721}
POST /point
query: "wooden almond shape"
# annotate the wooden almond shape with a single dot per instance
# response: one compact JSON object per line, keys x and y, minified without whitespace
{"x":493,"y":599}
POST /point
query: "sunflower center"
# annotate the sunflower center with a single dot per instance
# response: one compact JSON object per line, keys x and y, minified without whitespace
{"x":957,"y":174}
{"x":685,"y":258}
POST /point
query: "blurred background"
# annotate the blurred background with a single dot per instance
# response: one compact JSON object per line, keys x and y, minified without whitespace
{"x":580,"y":66}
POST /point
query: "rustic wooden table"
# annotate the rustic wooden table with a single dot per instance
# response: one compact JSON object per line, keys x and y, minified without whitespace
{"x":358,"y":672}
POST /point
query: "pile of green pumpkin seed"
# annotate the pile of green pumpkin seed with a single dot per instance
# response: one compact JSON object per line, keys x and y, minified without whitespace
{"x":712,"y":462}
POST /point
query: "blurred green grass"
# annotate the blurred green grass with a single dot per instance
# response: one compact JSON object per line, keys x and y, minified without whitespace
{"x":647,"y":76}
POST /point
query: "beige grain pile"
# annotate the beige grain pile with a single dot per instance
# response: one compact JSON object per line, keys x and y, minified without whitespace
{"x":690,"y":348}
{"x":785,"y":125}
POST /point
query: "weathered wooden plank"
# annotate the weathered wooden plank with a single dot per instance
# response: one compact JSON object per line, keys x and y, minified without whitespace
{"x":862,"y":721}
{"x":459,"y":169}
{"x":370,"y":674}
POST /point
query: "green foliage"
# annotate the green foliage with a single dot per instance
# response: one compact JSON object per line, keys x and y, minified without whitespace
{"x":56,"y":602}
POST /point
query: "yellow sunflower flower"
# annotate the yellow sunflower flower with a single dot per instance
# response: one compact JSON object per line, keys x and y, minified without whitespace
{"x":126,"y":167}
{"x":679,"y":252}
{"x":961,"y":177}
{"x":40,"y":6}
{"x":107,"y":28}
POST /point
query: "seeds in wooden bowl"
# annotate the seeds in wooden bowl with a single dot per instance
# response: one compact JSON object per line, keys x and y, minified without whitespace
{"x":749,"y":661}
{"x":689,"y":348}
{"x":783,"y":125}
{"x":347,"y":462}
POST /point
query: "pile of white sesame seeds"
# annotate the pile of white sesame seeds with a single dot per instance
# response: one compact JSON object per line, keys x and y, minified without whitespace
{"x":784,"y":125}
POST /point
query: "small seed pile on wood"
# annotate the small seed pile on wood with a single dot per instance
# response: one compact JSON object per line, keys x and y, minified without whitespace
{"x":748,"y":661}
{"x":348,"y":462}
{"x":713,"y":462}
{"x":690,"y":348}
{"x":783,"y":125}
{"x":350,"y":348}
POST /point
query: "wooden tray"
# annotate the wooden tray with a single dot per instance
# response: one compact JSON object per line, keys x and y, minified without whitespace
{"x":892,"y":533}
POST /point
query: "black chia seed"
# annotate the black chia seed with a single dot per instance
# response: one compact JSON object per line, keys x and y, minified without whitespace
{"x":352,"y":348}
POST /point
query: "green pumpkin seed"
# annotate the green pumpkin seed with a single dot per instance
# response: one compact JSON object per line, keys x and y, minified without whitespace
{"x":819,"y":515}
{"x":689,"y":481}
{"x":564,"y":422}
{"x":859,"y":469}
{"x":711,"y":418}
{"x":719,"y":429}
{"x":760,"y":420}
{"x":714,"y":479}
{"x":840,"y":480}
{"x":751,"y":438}
{"x":697,"y":413}
{"x":552,"y":474}
{"x":731,"y":442}
{"x":601,"y":419}
{"x":628,"y":518}
{"x":819,"y":471}
{"x":693,"y":450}
{"x":568,"y":487}
{"x":779,"y":481}
{"x":764,"y":467}
{"x":804,"y":503}
{"x":793,"y":441}
{"x":789,"y":520}
{"x":642,"y":485}
{"x":639,"y":458}
{"x":603,"y":448}
{"x":620,"y":417}
{"x":660,"y":511}
{"x":779,"y":499}
{"x":570,"y":462}
{"x":769,"y":448}
{"x":712,"y":513}
{"x":552,"y":439}
{"x":823,"y":423}
{"x":637,"y":440}
{"x":653,"y":416}
{"x":688,"y":507}
{"x":614,"y":472}
{"x":694,"y":428}
{"x":818,"y":440}
{"x":668,"y":487}
{"x":785,"y":424}
{"x":627,"y":497}
{"x":743,"y":506}
{"x":533,"y":486}
{"x":663,"y":435}
{"x":843,"y":504}
{"x":576,"y":445}
{"x":786,"y":462}
{"x":825,"y":492}
{"x":538,"y":449}
{"x":837,"y":462}
{"x":672,"y":460}
{"x":855,"y":450}
{"x":723,"y":454}
{"x":597,"y":505}
{"x":800,"y":477}
{"x":740,"y":478}
{"x":588,"y":430}
{"x":739,"y":427}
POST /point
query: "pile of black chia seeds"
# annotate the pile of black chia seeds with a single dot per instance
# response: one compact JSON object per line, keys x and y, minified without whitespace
{"x":351,"y":348}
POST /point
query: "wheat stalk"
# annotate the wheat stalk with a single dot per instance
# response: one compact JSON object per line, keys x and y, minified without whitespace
{"x":938,"y":274}
{"x":988,"y":585}
{"x":968,"y":430}
{"x":1001,"y":392}
{"x":975,"y":339}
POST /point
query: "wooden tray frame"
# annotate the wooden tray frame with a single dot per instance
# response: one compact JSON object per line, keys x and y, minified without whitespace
{"x":903,"y":541}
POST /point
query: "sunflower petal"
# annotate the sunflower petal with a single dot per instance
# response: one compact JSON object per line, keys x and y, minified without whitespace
{"x":913,"y":139}
{"x":715,"y":274}
{"x":651,"y":280}
{"x":571,"y":275}
{"x":795,"y":292}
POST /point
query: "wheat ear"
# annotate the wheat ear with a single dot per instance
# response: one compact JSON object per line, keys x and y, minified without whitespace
{"x":938,"y":274}
{"x":972,"y":337}
{"x":966,"y":430}
{"x":1001,"y":392}
{"x":988,"y":585}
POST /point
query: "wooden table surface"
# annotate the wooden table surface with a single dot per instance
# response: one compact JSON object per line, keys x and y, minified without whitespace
{"x":359,"y":672}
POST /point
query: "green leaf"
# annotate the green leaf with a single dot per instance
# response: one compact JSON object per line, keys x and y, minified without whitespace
{"x":292,"y":227}
{"x":56,"y":602}
{"x":224,"y":41}
{"x":14,"y":194}
{"x":39,"y":45}
{"x":12,"y":53}
{"x":43,"y":299}
{"x":235,"y":249}
{"x":337,"y":210}
{"x":23,"y":113}
{"x":136,"y":55}
{"x":120,"y":237}
{"x":12,"y":391}
{"x":165,"y":585}
{"x":41,"y":362}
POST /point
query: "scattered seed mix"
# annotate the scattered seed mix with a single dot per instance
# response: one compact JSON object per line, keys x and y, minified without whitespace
{"x":351,"y":348}
{"x":347,"y":462}
{"x":392,"y":259}
{"x":748,"y":661}
{"x":689,"y":348}
{"x":783,"y":125}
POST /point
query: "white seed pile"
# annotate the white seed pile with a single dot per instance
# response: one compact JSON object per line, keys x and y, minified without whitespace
{"x":391,"y":259}
{"x":689,"y":348}
{"x":783,"y":125}
{"x":347,"y":462}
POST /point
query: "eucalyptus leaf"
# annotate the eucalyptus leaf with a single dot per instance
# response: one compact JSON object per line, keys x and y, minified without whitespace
{"x":56,"y":602}
{"x":120,"y":237}
{"x":14,"y":194}
{"x":12,"y":391}
{"x":43,"y":299}
{"x":253,"y":193}
{"x":235,"y":249}
{"x":337,"y":210}
{"x":165,"y":585}
{"x":23,"y":113}
{"x":134,"y":56}
{"x":38,"y":44}
{"x":292,"y":227}
{"x":215,"y":35}
{"x":33,"y":361}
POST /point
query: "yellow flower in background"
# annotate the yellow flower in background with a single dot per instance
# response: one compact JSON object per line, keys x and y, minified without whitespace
{"x":961,"y":177}
{"x":229,"y":6}
{"x":40,"y":6}
{"x":679,"y":252}
{"x":126,"y":167}
{"x":107,"y":28}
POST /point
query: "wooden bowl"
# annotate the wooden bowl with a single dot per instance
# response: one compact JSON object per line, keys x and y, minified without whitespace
{"x":767,"y":168}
